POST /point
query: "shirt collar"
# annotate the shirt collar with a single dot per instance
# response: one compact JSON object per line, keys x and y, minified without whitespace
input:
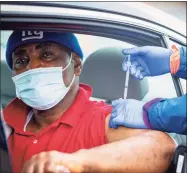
{"x":73,"y":114}
{"x":16,"y":112}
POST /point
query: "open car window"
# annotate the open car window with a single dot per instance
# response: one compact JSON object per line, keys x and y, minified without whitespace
{"x":161,"y":86}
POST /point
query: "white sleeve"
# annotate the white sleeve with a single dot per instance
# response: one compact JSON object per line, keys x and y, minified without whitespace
{"x":7,"y":128}
{"x":178,"y":139}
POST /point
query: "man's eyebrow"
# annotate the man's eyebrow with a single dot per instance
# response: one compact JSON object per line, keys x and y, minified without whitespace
{"x":19,"y":51}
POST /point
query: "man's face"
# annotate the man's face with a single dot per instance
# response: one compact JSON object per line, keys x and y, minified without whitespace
{"x":41,"y":55}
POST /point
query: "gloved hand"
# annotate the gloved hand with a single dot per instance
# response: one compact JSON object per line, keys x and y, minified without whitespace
{"x":147,"y":61}
{"x":128,"y":113}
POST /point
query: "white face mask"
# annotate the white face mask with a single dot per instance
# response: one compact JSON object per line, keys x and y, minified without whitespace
{"x":42,"y":88}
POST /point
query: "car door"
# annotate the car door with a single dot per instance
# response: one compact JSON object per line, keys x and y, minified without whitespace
{"x":92,"y":21}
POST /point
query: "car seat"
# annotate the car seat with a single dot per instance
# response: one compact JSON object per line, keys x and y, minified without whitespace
{"x":7,"y":86}
{"x":103,"y":71}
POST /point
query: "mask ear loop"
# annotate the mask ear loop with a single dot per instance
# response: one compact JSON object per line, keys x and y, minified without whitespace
{"x":68,"y":63}
{"x":66,"y":68}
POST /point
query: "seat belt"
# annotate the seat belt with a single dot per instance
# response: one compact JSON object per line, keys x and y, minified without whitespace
{"x":180,"y":159}
{"x":5,"y":163}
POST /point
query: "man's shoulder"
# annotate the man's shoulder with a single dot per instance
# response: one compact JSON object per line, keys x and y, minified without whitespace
{"x":94,"y":121}
{"x":92,"y":106}
{"x":16,"y":108}
{"x":99,"y":107}
{"x":96,"y":115}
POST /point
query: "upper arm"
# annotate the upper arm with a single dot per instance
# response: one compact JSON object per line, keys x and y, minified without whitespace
{"x":120,"y":133}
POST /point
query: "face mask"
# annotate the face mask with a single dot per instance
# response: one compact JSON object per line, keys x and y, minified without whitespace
{"x":42,"y":88}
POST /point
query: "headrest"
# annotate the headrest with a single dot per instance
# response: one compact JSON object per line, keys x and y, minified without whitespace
{"x":103,"y":71}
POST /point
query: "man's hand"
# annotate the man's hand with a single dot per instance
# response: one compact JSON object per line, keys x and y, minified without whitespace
{"x":53,"y":162}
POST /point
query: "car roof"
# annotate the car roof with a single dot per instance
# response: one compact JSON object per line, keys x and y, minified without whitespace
{"x":109,"y":14}
{"x":136,"y":9}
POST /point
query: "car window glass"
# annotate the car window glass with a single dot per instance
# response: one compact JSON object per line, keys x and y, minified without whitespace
{"x":160,"y":87}
{"x":90,"y":43}
{"x":4,"y":38}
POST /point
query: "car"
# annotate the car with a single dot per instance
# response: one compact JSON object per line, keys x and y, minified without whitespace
{"x":103,"y":30}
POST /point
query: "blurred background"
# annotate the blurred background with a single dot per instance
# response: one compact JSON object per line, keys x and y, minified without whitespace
{"x":177,"y":9}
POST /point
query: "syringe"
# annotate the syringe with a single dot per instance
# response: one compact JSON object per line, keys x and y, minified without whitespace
{"x":127,"y":77}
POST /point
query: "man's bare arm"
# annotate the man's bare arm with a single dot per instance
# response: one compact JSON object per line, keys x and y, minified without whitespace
{"x":131,"y":151}
{"x":143,"y":151}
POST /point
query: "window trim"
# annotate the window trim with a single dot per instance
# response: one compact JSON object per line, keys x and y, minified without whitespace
{"x":84,"y":13}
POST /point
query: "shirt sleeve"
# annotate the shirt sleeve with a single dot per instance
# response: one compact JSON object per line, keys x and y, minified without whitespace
{"x":96,"y":124}
{"x":182,"y":72}
{"x":168,"y":115}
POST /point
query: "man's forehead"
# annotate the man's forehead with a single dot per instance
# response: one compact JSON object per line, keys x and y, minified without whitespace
{"x":38,"y":45}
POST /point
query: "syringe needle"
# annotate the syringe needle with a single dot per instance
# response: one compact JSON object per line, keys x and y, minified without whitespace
{"x":127,"y":77}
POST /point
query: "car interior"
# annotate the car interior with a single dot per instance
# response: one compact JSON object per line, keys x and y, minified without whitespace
{"x":107,"y":78}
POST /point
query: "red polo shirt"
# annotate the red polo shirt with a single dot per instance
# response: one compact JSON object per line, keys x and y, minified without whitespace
{"x":81,"y":126}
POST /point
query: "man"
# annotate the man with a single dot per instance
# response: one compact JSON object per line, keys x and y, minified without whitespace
{"x":53,"y":115}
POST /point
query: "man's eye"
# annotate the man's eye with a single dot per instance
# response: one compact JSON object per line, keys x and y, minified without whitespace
{"x":21,"y":61}
{"x":47,"y":55}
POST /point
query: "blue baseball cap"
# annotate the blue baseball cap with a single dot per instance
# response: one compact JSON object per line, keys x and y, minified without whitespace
{"x":18,"y":38}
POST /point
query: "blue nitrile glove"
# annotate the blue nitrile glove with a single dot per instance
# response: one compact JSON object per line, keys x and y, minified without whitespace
{"x":147,"y":61}
{"x":128,"y":113}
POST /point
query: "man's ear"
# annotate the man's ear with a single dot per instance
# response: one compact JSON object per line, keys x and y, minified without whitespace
{"x":77,"y":64}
